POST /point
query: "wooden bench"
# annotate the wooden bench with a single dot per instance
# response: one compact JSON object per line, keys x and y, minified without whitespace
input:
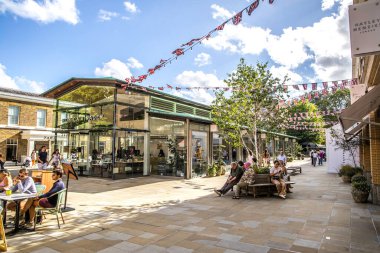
{"x":263,"y":185}
{"x":294,"y":169}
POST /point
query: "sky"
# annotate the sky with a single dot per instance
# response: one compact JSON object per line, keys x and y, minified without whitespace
{"x":45,"y":42}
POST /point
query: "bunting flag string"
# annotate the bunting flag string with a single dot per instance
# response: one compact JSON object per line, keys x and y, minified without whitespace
{"x":236,"y":19}
{"x":314,"y":93}
{"x":315,"y":114}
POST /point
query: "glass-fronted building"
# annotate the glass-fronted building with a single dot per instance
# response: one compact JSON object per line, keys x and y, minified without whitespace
{"x":113,"y":130}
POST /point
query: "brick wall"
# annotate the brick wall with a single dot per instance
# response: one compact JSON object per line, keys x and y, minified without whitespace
{"x":366,"y":162}
{"x":27,"y":113}
{"x":375,"y":149}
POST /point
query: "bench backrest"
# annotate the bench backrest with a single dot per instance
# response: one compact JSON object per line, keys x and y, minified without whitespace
{"x":262,"y":178}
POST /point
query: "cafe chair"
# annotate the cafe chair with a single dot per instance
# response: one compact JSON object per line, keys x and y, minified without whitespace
{"x":41,"y":211}
{"x":3,"y":240}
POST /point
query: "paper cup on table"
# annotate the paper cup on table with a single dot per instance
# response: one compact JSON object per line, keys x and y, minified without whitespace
{"x":8,"y":192}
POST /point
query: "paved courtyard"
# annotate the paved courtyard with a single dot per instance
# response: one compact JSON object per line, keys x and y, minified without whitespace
{"x":154,"y":214}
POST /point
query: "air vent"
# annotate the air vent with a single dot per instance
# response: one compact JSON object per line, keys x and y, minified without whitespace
{"x":202,"y":113}
{"x":160,"y":104}
{"x":184,"y":109}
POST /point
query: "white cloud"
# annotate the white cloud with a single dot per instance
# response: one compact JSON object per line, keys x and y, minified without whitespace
{"x":190,"y":78}
{"x":134,"y":63}
{"x":47,"y":11}
{"x":130,"y":7}
{"x":202,"y":59}
{"x":328,"y":4}
{"x":37,"y":87}
{"x":104,"y":15}
{"x":325,"y":44}
{"x":114,"y":68}
{"x":197,"y":79}
{"x":220,"y":13}
{"x":281,"y":72}
{"x":19,"y":83}
{"x":5,"y":80}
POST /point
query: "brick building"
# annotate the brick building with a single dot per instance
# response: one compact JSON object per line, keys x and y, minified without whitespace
{"x":26,"y":123}
{"x":362,"y":118}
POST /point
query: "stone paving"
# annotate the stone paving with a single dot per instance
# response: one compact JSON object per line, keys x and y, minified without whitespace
{"x":155,"y":214}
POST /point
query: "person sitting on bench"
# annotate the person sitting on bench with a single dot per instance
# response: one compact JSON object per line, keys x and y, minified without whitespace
{"x":233,"y":179}
{"x":275,"y":173}
{"x":246,"y":179}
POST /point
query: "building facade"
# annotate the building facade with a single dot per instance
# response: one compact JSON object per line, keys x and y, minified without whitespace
{"x":362,"y":118}
{"x":26,"y":123}
{"x":109,"y":129}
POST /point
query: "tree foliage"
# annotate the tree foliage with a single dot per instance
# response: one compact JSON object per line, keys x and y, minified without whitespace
{"x":252,"y":105}
{"x":307,"y":135}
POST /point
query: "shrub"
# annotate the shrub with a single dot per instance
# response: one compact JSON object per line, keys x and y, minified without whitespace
{"x":290,"y":159}
{"x":347,"y":170}
{"x":264,"y":170}
{"x":358,"y":179}
{"x":211,"y":170}
{"x":358,"y":170}
{"x":361,"y":186}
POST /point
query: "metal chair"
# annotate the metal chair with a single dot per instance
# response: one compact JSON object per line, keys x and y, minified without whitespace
{"x":53,"y":210}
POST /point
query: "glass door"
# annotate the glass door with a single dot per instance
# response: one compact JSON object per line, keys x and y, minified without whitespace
{"x":199,"y":149}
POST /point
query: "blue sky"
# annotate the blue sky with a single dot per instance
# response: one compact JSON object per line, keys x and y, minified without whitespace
{"x":43,"y":43}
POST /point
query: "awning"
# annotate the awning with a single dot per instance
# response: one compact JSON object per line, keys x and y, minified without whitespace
{"x":353,"y":117}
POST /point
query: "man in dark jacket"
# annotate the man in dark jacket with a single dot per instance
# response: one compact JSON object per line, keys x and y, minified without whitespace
{"x":48,"y":200}
{"x":233,"y":178}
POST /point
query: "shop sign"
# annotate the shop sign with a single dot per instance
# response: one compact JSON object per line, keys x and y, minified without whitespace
{"x":52,"y":137}
{"x":83,"y":119}
{"x":365,"y":28}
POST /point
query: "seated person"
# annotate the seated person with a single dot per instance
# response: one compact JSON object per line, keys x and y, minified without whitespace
{"x":275,"y":173}
{"x":285,"y":176}
{"x":47,"y":200}
{"x":24,"y":184}
{"x":5,"y":180}
{"x":246,"y":179}
{"x":233,"y":178}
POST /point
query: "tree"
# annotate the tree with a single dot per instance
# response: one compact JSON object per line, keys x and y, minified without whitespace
{"x":333,"y":102}
{"x":311,"y":121}
{"x":352,"y":145}
{"x":253,"y":105}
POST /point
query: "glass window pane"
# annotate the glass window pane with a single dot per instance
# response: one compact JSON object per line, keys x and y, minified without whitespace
{"x":41,"y":118}
{"x":13,"y":112}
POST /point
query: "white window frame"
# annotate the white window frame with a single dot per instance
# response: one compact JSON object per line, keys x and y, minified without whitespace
{"x":11,"y":115}
{"x":45,"y":113}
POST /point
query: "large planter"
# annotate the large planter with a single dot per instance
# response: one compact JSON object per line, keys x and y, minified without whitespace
{"x":346,"y":179}
{"x":359,"y":196}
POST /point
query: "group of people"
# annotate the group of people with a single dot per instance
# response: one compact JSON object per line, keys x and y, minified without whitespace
{"x":41,"y":158}
{"x":317,"y":156}
{"x":243,"y":174}
{"x":23,"y":183}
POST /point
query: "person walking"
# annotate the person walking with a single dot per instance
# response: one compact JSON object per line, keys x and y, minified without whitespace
{"x":315,"y":157}
{"x":42,"y":158}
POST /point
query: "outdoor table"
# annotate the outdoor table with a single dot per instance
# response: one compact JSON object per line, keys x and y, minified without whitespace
{"x":16,"y":197}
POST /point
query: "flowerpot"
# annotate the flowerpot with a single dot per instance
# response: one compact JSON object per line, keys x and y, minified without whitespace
{"x":346,"y":179}
{"x":359,"y":196}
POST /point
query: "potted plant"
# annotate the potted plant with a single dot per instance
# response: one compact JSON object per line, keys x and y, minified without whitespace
{"x":221,"y":167}
{"x":360,"y":188}
{"x":346,"y":172}
{"x":211,"y":170}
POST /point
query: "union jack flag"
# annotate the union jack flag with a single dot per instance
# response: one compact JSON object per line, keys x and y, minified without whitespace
{"x":169,"y":86}
{"x":178,"y":88}
{"x":314,"y":86}
{"x":178,"y":51}
{"x":354,"y":81}
{"x":335,"y":83}
{"x":161,"y":88}
{"x":221,"y":27}
{"x":151,"y":71}
{"x":296,"y":87}
{"x":304,"y":86}
{"x":325,"y":85}
{"x":252,"y":7}
{"x":237,"y":18}
{"x":163,"y":61}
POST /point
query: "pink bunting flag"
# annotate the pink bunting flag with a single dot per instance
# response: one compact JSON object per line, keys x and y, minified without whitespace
{"x":296,"y":87}
{"x":314,"y":86}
